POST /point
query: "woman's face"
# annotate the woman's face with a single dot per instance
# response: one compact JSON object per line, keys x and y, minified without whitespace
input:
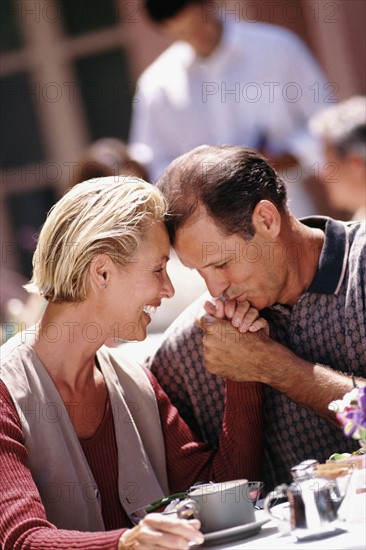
{"x":137,"y":290}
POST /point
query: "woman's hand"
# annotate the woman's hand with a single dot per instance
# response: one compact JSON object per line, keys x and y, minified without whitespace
{"x":242,"y":316}
{"x":156,"y":531}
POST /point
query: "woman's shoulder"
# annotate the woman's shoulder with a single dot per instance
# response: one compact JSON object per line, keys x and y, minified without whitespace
{"x":17,"y":341}
{"x":17,"y":360}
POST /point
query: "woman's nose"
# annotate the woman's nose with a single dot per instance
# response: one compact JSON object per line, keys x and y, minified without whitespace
{"x":168,"y":287}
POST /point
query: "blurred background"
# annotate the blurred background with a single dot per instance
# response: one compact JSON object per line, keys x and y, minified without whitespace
{"x":68,"y":73}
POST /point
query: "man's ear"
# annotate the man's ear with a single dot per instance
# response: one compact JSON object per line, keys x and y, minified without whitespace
{"x":266,"y":219}
{"x":100,"y":271}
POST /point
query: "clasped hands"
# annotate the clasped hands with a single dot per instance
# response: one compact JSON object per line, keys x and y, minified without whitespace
{"x":236,"y":340}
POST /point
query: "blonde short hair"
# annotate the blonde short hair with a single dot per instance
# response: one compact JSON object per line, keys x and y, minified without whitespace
{"x":106,"y":216}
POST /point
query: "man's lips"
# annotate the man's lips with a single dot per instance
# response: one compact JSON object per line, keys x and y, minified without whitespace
{"x":240,"y":298}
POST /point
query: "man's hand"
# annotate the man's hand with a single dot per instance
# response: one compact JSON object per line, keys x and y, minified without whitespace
{"x":255,"y":357}
{"x":156,"y":531}
{"x":240,"y":356}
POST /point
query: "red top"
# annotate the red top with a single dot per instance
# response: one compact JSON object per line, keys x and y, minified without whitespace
{"x":23,"y":520}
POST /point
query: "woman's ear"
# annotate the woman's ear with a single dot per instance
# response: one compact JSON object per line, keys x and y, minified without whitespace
{"x":100,"y":271}
{"x":266,"y":219}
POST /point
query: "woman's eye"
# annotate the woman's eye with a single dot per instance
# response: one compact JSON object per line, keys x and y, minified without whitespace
{"x":221,"y":266}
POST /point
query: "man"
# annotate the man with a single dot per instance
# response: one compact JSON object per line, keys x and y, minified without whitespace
{"x":227,"y":81}
{"x":342,"y":128}
{"x":229,"y":219}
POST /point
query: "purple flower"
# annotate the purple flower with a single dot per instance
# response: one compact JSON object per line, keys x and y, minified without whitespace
{"x":351,"y":413}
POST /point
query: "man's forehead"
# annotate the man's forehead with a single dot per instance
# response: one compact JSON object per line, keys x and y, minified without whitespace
{"x":202,"y":243}
{"x":199,"y":216}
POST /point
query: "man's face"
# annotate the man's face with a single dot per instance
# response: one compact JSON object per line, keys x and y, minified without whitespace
{"x":200,"y":30}
{"x":231,"y":266}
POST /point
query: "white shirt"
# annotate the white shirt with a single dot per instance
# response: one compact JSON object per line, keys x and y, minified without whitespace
{"x":258,"y":88}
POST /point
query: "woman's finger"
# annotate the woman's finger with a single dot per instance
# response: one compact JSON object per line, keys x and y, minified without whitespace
{"x":241,"y":310}
{"x":259,"y":324}
{"x":169,"y":531}
{"x":209,"y":308}
{"x":229,"y":308}
{"x":249,"y":318}
{"x":215,"y":309}
{"x":160,"y":532}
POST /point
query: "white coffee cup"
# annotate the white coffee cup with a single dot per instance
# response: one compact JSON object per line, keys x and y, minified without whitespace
{"x":223,"y":505}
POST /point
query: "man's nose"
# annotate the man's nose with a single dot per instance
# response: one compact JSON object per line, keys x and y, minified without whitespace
{"x":215,"y":286}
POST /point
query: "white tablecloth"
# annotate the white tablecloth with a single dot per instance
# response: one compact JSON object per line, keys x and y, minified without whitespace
{"x":270,"y":538}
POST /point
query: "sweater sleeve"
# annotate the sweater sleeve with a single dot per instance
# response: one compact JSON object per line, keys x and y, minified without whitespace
{"x":240,"y":452}
{"x":23,"y":519}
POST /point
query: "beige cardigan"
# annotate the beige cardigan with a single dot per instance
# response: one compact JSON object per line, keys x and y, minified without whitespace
{"x":55,"y":457}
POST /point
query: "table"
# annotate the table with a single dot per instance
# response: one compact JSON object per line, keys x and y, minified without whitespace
{"x":270,"y":538}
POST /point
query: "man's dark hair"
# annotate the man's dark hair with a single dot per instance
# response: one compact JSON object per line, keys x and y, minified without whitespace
{"x":161,"y":10}
{"x":227,"y":180}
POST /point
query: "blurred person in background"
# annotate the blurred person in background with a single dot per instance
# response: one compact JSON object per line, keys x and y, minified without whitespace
{"x":225,"y":81}
{"x":107,"y":157}
{"x":342,"y":129}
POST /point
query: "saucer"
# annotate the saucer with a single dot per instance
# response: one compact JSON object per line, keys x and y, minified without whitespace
{"x":234,"y":533}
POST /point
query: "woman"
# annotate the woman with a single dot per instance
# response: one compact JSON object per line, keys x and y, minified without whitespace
{"x":86,"y":439}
